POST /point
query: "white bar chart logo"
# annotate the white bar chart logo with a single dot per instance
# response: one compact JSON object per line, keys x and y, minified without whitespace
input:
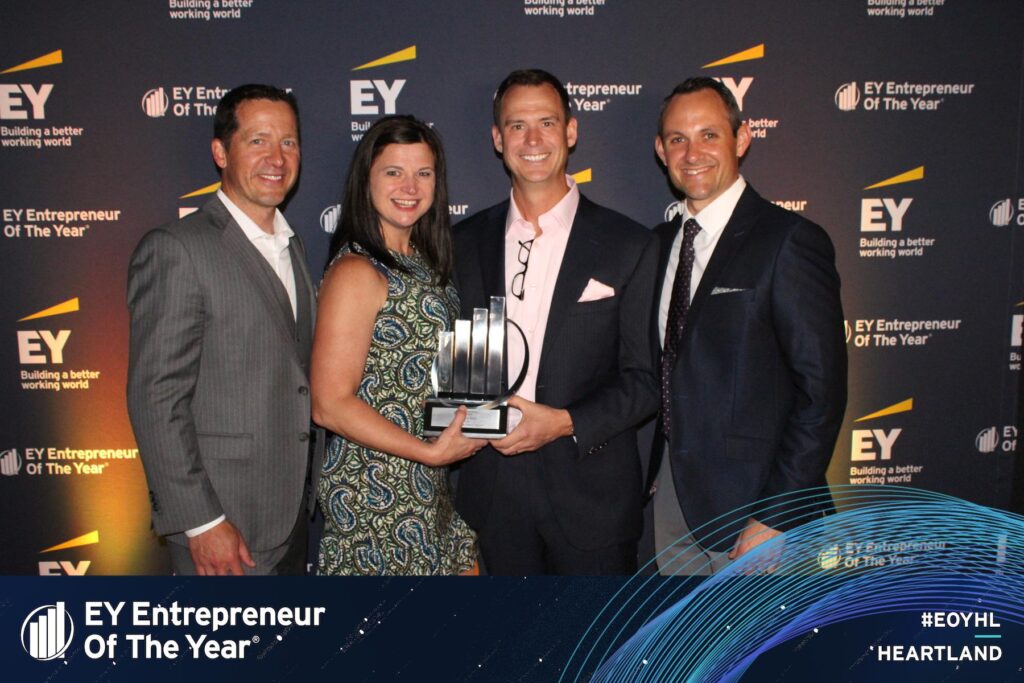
{"x":673,"y":211}
{"x":1001,"y":213}
{"x":155,"y":102}
{"x":10,"y":462}
{"x":329,"y":218}
{"x":987,"y":440}
{"x":46,"y":633}
{"x":847,"y":96}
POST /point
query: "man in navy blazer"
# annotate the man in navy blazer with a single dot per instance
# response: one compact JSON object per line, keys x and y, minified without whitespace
{"x":561,"y":494}
{"x":753,"y":359}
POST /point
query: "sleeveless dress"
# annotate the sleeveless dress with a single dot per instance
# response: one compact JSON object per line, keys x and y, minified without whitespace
{"x":386,"y":515}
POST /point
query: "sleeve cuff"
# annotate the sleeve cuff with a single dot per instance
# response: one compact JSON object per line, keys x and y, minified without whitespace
{"x":192,"y":533}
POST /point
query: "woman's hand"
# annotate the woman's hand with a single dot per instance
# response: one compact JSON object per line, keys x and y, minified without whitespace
{"x":451,"y":446}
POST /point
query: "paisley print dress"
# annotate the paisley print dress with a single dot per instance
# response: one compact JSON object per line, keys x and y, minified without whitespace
{"x":386,"y":515}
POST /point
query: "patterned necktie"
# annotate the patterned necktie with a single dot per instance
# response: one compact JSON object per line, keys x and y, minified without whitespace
{"x":678,"y":307}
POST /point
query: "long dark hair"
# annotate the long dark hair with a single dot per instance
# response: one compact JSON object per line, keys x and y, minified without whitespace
{"x":360,"y":222}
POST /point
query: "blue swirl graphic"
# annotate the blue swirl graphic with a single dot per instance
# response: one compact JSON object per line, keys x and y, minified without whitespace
{"x":891,"y":549}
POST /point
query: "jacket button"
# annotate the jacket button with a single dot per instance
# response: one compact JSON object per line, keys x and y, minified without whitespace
{"x":303,"y":436}
{"x":303,"y":390}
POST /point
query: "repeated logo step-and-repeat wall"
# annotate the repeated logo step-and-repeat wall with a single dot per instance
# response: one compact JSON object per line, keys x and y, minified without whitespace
{"x":895,"y":124}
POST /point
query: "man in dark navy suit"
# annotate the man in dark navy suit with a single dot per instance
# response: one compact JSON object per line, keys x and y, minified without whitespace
{"x":561,"y":494}
{"x":753,"y":362}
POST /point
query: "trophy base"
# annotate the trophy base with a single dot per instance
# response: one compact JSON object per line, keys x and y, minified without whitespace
{"x":481,"y":423}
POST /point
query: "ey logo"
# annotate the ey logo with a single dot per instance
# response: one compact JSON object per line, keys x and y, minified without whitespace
{"x":376,"y":96}
{"x":67,"y":567}
{"x":879,"y":214}
{"x":876,"y":444}
{"x":186,"y":210}
{"x":738,"y":87}
{"x":41,"y":347}
{"x":21,"y":101}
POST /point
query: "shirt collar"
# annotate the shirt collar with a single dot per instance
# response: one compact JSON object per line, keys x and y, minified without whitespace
{"x":714,"y":216}
{"x":282,"y":231}
{"x":559,"y":217}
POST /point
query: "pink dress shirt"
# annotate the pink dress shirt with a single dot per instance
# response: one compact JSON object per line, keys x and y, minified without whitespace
{"x":549,"y":239}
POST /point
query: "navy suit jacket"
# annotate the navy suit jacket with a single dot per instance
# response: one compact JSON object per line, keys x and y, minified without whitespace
{"x":596,"y":362}
{"x":758,"y":390}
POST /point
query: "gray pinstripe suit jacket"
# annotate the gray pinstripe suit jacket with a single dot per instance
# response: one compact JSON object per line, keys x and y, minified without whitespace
{"x":218,"y":389}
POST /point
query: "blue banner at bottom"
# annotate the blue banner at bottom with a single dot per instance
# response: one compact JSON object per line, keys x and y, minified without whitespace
{"x":480,"y":629}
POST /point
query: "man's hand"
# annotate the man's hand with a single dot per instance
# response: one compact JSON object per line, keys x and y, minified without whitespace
{"x":220,"y":551}
{"x":540,"y":426}
{"x":753,"y":535}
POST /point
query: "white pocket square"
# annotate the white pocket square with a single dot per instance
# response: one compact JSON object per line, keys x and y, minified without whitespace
{"x":727,"y":290}
{"x":595,"y":291}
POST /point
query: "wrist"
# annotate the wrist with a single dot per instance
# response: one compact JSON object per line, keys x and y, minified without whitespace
{"x":199,"y":530}
{"x":568,"y":428}
{"x":425,"y":453}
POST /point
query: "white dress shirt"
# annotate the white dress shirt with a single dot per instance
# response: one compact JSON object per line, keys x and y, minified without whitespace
{"x":273,"y":248}
{"x":712,"y":220}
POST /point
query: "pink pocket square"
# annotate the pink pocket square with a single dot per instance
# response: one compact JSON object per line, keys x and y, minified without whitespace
{"x":595,"y":291}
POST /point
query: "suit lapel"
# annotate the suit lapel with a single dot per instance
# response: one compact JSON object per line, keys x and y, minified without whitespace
{"x":666,"y":235}
{"x":265,"y":282}
{"x":581,"y":251}
{"x":305,"y":301}
{"x":301,"y":272}
{"x":743,"y":218}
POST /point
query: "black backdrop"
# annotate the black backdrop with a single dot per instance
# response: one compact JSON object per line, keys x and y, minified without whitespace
{"x":901,"y":134}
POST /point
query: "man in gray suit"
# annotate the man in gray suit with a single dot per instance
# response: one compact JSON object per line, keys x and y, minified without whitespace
{"x":222,"y":311}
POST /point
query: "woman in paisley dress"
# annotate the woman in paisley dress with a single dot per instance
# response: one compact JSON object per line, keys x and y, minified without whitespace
{"x":385,"y":297}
